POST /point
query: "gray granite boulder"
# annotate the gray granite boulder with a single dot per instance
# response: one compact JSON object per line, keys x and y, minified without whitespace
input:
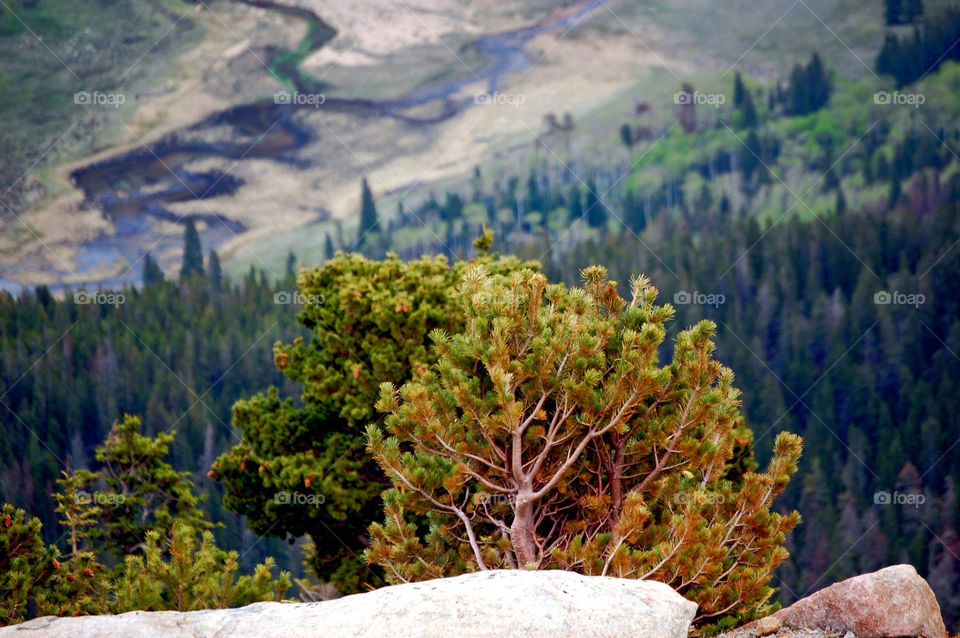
{"x":479,"y":605}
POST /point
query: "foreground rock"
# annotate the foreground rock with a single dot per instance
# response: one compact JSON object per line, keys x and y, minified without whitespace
{"x":480,"y":605}
{"x":889,"y":603}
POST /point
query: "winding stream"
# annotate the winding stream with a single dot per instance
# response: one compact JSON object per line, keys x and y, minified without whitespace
{"x":133,"y":189}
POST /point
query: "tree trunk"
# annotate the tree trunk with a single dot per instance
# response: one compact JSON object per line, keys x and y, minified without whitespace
{"x":522,"y":531}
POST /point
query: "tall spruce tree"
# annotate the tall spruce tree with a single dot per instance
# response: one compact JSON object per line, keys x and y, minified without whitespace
{"x":214,"y":270}
{"x":912,"y":9}
{"x":596,"y":211}
{"x":739,"y":91}
{"x":743,"y":103}
{"x":369,"y":218}
{"x":626,"y":136}
{"x":192,"y":252}
{"x":893,"y":11}
{"x":152,"y":274}
{"x":328,"y":249}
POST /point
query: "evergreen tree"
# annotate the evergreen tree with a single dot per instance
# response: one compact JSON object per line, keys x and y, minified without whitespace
{"x":328,"y":250}
{"x":576,"y":202}
{"x":145,"y":492}
{"x":596,"y":211}
{"x":373,"y":326}
{"x":932,"y":43}
{"x":177,"y":573}
{"x":739,"y":91}
{"x":626,"y":136}
{"x":819,"y":83}
{"x":798,"y":92}
{"x":912,"y":9}
{"x":291,"y":269}
{"x":750,"y":155}
{"x":743,"y":103}
{"x":369,"y":218}
{"x":809,"y":88}
{"x":840,"y":205}
{"x":75,"y":506}
{"x":214,"y":270}
{"x":152,"y":274}
{"x":893,"y":11}
{"x":27,"y":565}
{"x":547,"y":436}
{"x":748,"y":113}
{"x":192,"y":252}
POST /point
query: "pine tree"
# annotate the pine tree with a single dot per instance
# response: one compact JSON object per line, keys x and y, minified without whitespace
{"x":36,"y":581}
{"x":177,"y":573}
{"x":192,"y":252}
{"x":214,"y":270}
{"x":576,"y":203}
{"x":798,"y":92}
{"x":146,"y":493}
{"x":26,"y":566}
{"x":291,"y":269}
{"x":818,"y":82}
{"x":152,"y":274}
{"x":840,"y":206}
{"x":809,"y":88}
{"x":596,"y":211}
{"x":912,"y":9}
{"x":750,"y":155}
{"x":626,"y":136}
{"x":748,"y":114}
{"x":328,"y":250}
{"x":547,"y":436}
{"x":372,"y":326}
{"x":75,"y":506}
{"x":743,"y":103}
{"x":369,"y":218}
{"x":893,"y":10}
{"x":739,"y":91}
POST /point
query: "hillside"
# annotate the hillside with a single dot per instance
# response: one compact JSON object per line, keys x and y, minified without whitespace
{"x":622,"y":232}
{"x":633,"y":52}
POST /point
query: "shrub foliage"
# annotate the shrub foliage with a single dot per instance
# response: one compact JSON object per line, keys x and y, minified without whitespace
{"x":547,"y":435}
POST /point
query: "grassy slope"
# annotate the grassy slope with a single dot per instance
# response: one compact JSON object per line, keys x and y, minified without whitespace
{"x":57,"y":48}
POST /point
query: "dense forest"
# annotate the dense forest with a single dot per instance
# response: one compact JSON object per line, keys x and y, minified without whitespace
{"x":177,"y":354}
{"x":817,"y":225}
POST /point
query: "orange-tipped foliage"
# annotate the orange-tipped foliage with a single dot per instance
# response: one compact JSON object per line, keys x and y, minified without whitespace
{"x":547,"y":435}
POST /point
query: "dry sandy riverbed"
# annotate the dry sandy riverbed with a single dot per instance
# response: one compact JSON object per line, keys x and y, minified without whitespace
{"x":575,"y":71}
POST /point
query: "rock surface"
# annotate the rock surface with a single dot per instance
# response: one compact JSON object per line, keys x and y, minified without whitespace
{"x":767,"y":626}
{"x":479,"y":605}
{"x":889,"y":603}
